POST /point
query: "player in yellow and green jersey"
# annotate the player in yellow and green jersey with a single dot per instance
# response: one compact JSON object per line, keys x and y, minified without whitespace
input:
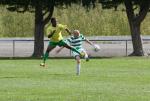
{"x":54,"y":32}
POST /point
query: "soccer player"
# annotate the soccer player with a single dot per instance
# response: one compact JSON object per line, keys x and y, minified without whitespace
{"x":76,"y":41}
{"x":54,"y":32}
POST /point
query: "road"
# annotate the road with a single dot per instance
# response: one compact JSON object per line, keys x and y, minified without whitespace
{"x":25,"y":48}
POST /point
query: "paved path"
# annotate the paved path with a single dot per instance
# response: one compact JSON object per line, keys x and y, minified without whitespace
{"x":108,"y":48}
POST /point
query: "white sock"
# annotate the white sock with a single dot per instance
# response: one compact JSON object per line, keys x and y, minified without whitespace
{"x":86,"y":56}
{"x":78,"y":69}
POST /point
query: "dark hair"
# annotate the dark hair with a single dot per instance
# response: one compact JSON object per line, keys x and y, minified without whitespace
{"x":52,"y":19}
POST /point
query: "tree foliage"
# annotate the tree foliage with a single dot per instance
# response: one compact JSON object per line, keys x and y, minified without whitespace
{"x":27,"y":5}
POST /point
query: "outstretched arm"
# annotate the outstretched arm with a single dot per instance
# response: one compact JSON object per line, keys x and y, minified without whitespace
{"x":89,"y":42}
{"x":94,"y":45}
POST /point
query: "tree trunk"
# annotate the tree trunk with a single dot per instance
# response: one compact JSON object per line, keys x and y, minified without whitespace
{"x":38,"y":33}
{"x":136,"y":40}
{"x":40,"y":22}
{"x":135,"y":21}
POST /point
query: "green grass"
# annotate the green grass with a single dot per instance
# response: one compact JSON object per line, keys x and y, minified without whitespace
{"x":113,"y":79}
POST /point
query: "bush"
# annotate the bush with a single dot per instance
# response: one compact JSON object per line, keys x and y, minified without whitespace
{"x":94,"y":22}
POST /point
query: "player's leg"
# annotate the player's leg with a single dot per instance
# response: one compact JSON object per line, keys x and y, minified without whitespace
{"x":78,"y":61}
{"x":49,"y":48}
{"x":78,"y":64}
{"x":71,"y":48}
{"x":45,"y":56}
{"x":86,"y":57}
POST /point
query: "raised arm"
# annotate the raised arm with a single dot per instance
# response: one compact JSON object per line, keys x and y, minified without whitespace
{"x":68,"y":31}
{"x":89,"y":42}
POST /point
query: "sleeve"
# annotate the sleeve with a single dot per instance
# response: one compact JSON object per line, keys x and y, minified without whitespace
{"x":62,"y":26}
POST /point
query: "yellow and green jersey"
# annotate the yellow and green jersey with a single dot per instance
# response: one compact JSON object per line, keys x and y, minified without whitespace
{"x":57,"y":36}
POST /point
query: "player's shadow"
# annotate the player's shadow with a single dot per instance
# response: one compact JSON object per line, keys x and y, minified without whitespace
{"x":61,"y":75}
{"x":11,"y":77}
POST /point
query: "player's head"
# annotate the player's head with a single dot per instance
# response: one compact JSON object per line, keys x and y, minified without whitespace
{"x":76,"y":33}
{"x":54,"y":21}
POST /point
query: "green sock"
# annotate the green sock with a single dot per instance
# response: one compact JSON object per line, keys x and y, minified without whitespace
{"x":45,"y":57}
{"x":73,"y":49}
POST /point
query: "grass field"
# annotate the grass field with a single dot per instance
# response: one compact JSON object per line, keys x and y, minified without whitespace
{"x":109,"y":79}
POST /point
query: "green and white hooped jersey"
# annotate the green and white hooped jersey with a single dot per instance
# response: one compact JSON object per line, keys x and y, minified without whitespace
{"x":76,"y":42}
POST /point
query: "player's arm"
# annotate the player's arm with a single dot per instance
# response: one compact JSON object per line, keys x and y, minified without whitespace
{"x":89,"y":42}
{"x":51,"y":34}
{"x":64,"y":27}
{"x":58,"y":50}
{"x":94,"y":45}
{"x":68,"y":31}
{"x":86,"y":40}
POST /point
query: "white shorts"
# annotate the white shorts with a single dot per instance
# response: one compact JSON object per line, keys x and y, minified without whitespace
{"x":74,"y":54}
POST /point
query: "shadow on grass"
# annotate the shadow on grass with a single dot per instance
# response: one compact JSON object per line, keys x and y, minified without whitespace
{"x":33,"y":58}
{"x":62,"y":75}
{"x":11,"y":77}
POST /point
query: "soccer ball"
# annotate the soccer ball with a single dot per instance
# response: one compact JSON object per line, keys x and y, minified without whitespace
{"x":96,"y":48}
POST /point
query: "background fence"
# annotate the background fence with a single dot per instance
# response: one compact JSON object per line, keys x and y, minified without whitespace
{"x":110,"y":46}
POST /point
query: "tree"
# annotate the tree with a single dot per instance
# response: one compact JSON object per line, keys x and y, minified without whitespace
{"x":135,"y":20}
{"x":136,"y":11}
{"x":43,"y":10}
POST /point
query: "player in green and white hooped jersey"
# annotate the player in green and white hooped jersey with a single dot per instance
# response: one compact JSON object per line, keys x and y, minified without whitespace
{"x":76,"y":41}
